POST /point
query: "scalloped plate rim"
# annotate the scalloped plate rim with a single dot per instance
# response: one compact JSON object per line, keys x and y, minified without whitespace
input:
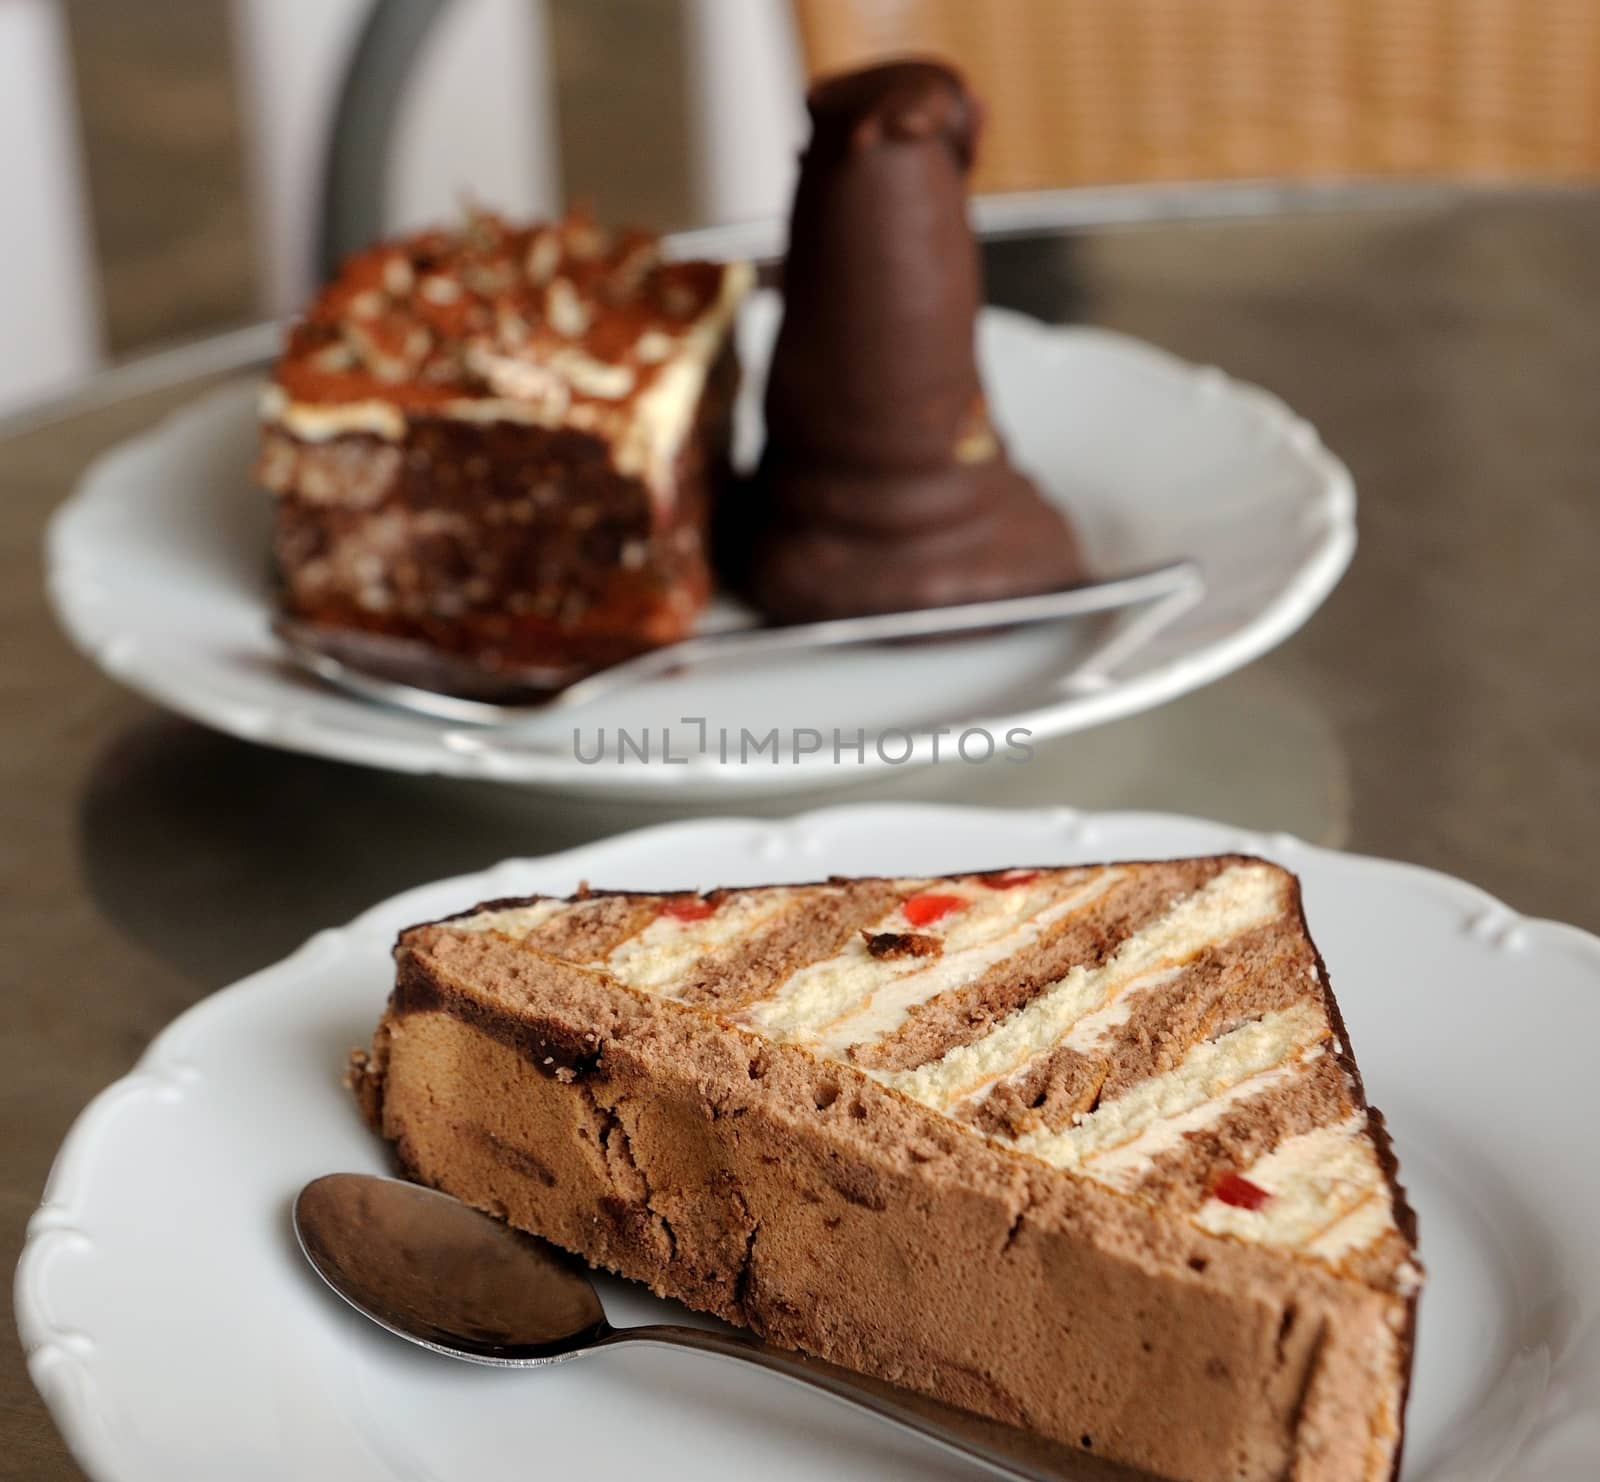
{"x":64,"y":1377}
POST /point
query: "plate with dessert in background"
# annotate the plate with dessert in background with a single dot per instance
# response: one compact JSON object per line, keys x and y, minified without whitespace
{"x":501,"y":458}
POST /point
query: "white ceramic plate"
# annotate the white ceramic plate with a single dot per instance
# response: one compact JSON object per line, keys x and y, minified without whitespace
{"x":158,"y":570}
{"x":177,"y":1336}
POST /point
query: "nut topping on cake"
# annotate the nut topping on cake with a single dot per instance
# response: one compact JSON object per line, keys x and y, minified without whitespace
{"x":425,"y":323}
{"x":889,"y":944}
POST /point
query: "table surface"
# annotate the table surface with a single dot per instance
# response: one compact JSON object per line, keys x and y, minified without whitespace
{"x":1444,"y":707}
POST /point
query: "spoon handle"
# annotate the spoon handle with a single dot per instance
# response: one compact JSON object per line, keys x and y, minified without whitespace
{"x":1001,"y":1449}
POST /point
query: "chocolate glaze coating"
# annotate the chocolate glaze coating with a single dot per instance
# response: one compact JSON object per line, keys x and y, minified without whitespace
{"x":883,"y":485}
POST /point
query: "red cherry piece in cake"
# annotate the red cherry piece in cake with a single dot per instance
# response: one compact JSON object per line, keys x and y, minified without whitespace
{"x":924,"y":910}
{"x":688,"y":908}
{"x":1235,"y":1189}
{"x":1009,"y":879}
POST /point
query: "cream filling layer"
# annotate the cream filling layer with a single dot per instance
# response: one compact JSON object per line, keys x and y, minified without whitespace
{"x":663,"y":410}
{"x":1125,"y":1134}
{"x":1328,"y":1194}
{"x":514,"y":921}
{"x":659,"y":957}
{"x":888,"y":1007}
{"x":1238,"y":900}
{"x":1091,"y":1031}
{"x":314,"y":422}
{"x":1124,"y":1165}
{"x":854,"y":997}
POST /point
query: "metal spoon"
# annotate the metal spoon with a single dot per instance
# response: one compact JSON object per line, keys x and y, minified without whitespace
{"x":438,"y":1273}
{"x":1136,"y":588}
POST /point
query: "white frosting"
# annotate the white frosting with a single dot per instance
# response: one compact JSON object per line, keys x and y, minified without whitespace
{"x":319,"y":424}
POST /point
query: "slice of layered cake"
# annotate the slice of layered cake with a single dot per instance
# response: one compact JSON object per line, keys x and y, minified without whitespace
{"x":494,"y":450}
{"x":1082,"y":1149}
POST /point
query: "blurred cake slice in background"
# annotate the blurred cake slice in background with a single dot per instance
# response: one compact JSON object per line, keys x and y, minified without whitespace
{"x":494,"y":451}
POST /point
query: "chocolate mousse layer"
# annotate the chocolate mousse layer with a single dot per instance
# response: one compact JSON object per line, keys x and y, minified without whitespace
{"x":1083,"y":1150}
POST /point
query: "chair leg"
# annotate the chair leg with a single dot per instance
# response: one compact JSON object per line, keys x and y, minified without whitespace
{"x":354,"y":166}
{"x":49,"y":298}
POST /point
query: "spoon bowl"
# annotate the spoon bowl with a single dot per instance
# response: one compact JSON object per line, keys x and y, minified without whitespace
{"x":433,"y":1270}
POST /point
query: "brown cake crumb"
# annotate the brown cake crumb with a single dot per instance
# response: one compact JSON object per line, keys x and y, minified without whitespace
{"x":890,"y":944}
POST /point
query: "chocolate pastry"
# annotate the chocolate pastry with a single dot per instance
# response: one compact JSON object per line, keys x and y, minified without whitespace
{"x":883,"y":485}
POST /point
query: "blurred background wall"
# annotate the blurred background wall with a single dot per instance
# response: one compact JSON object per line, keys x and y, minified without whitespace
{"x":49,"y":326}
{"x":172,"y":175}
{"x":173,"y":181}
{"x":1101,"y":91}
